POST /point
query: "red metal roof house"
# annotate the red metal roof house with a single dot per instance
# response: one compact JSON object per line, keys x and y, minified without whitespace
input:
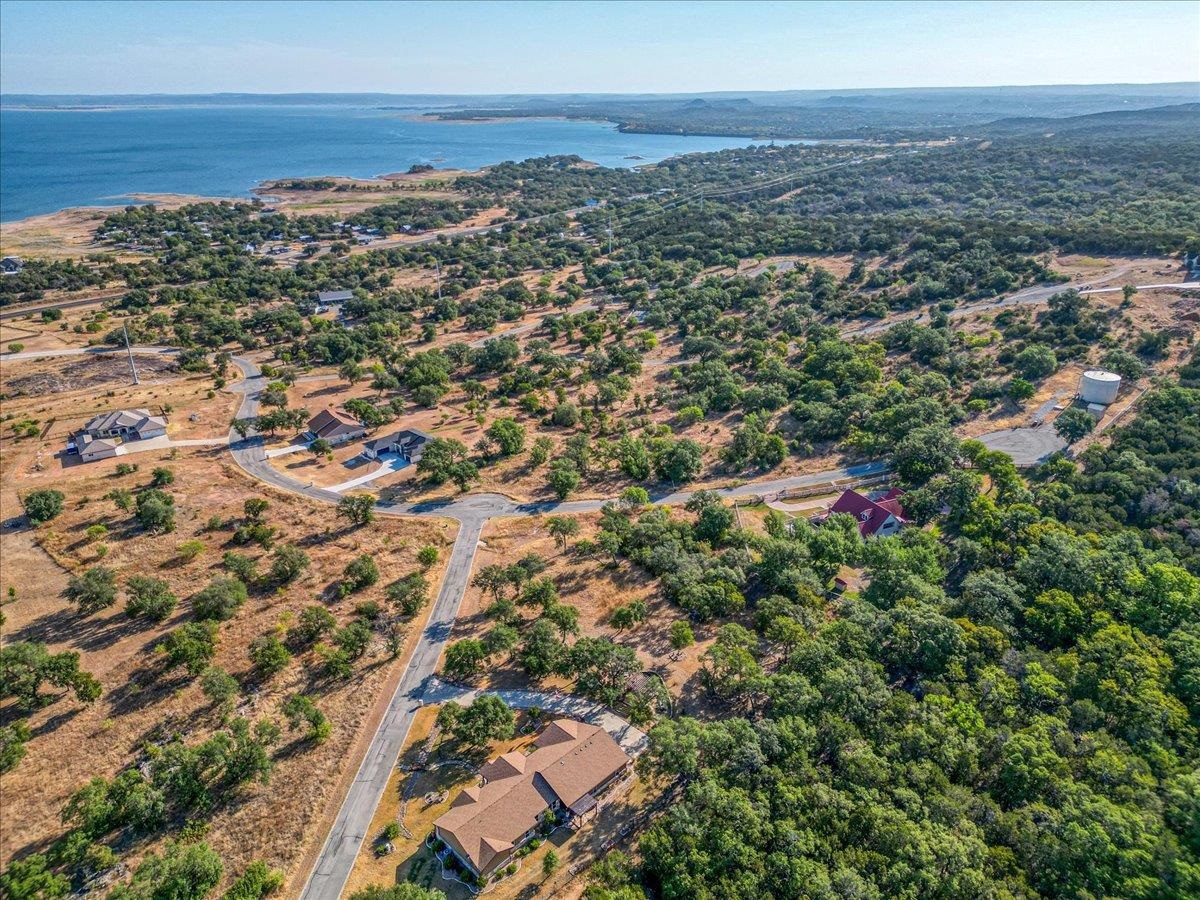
{"x":876,"y":518}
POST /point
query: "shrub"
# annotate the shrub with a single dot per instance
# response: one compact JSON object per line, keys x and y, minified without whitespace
{"x":256,"y":882}
{"x":360,"y":572}
{"x":161,"y":477}
{"x":149,"y":598}
{"x":240,"y":566}
{"x":315,"y":623}
{"x":427,"y":556}
{"x":269,"y":655}
{"x":96,"y":589}
{"x":410,"y":593}
{"x":189,"y":550}
{"x":300,"y":710}
{"x":191,"y":645}
{"x":368,"y":610}
{"x":335,"y":661}
{"x":220,"y":599}
{"x":287,"y":563}
{"x":565,"y":415}
{"x":42,"y":506}
{"x":353,"y":639}
{"x":218,"y":686}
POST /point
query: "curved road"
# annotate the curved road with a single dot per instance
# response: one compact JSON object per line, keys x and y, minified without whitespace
{"x":472,"y":512}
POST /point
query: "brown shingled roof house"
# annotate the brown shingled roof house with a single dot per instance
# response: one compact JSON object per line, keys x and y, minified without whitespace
{"x":334,"y":425}
{"x":571,"y":764}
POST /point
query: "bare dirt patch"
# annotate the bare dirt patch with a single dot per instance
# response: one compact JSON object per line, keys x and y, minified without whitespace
{"x":59,"y":376}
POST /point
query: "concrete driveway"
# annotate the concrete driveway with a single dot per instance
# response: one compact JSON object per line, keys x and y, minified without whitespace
{"x":387,"y":466}
{"x":632,"y":739}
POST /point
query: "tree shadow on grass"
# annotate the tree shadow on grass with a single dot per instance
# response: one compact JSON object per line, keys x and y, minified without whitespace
{"x":77,"y":630}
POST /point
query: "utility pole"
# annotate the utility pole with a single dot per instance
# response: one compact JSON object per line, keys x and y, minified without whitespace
{"x":438,"y":263}
{"x":129,"y":351}
{"x":701,"y":201}
{"x":610,"y":234}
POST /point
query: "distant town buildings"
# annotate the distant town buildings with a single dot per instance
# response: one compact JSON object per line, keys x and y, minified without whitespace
{"x":571,"y":766}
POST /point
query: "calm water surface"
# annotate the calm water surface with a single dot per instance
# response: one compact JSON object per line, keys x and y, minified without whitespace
{"x":52,"y":159}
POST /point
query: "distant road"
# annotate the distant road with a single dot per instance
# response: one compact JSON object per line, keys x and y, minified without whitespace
{"x":85,"y":351}
{"x":431,"y":238}
{"x":7,"y":313}
{"x":1030,"y":296}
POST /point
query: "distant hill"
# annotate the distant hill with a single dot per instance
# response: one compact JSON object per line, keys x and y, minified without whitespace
{"x":1183,"y":118}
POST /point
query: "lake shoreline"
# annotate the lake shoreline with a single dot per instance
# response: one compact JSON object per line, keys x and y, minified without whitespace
{"x":62,"y":159}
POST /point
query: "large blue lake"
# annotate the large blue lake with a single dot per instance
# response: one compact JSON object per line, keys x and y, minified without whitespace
{"x":51,"y":159}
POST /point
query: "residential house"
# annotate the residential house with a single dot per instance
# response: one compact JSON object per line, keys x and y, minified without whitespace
{"x":334,"y":425}
{"x":127,"y":424}
{"x":105,"y":435}
{"x":409,"y":444}
{"x":11,"y":265}
{"x":572,"y":764}
{"x":327,"y":297}
{"x":876,"y":517}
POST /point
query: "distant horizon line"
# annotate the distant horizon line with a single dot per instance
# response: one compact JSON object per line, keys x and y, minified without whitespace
{"x":585,"y":93}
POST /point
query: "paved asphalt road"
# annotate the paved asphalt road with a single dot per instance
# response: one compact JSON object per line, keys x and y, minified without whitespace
{"x":354,"y":818}
{"x":1025,"y":297}
{"x":472,"y":512}
{"x":84,"y":351}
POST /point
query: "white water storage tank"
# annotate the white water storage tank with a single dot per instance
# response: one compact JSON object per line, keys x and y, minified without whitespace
{"x":1098,"y":386}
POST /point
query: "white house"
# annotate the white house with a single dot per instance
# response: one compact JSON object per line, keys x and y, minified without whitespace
{"x":130,"y":424}
{"x":409,"y":444}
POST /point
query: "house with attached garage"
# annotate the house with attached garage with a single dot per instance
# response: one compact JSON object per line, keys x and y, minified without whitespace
{"x":105,"y":435}
{"x":570,"y":767}
{"x":334,"y":425}
{"x":409,"y":444}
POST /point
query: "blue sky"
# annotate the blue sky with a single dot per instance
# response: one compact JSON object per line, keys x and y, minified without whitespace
{"x":534,"y":47}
